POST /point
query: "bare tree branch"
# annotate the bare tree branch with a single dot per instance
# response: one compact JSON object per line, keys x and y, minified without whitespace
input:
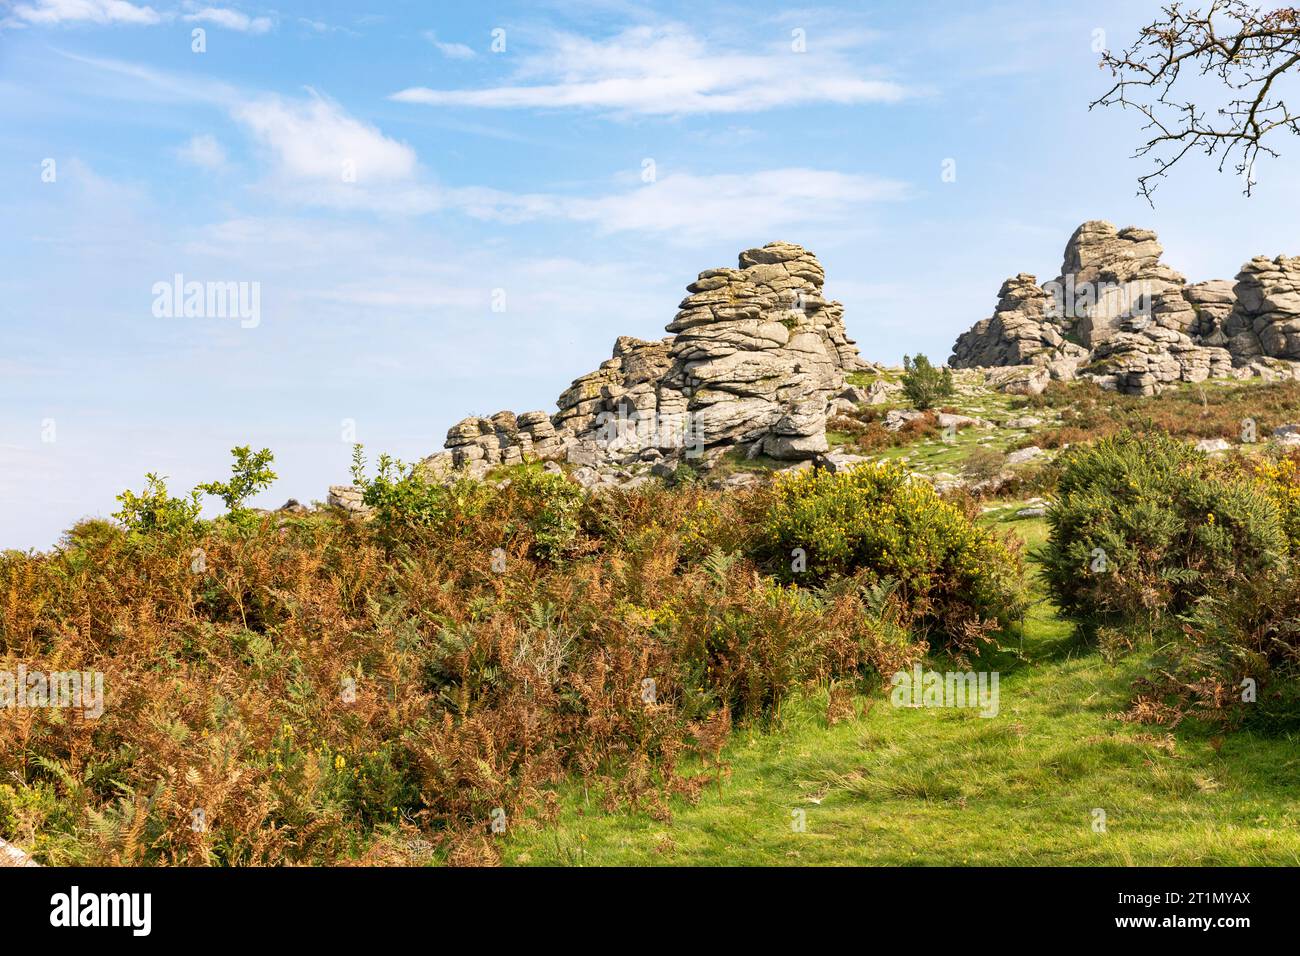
{"x":1245,"y":49}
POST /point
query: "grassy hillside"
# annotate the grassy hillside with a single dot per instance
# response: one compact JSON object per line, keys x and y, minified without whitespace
{"x":904,"y":786}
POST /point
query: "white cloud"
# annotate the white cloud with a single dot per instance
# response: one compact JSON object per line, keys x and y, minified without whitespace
{"x":316,"y":139}
{"x":203,"y":150}
{"x":230,"y":20}
{"x":321,"y":27}
{"x":693,"y":208}
{"x":668,"y":71}
{"x":49,"y":12}
{"x":453,"y":51}
{"x":730,"y":204}
{"x":683,"y":208}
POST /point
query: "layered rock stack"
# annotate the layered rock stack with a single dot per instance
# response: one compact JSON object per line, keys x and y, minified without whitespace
{"x":1020,"y":332}
{"x":346,"y":497}
{"x":1121,"y":317}
{"x":1212,"y":302}
{"x":1110,"y":274}
{"x":753,"y":358}
{"x":1265,"y":319}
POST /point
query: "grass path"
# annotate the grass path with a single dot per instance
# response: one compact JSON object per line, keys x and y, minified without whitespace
{"x":935,"y":787}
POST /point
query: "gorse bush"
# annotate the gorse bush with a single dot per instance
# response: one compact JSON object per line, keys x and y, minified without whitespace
{"x":554,"y":505}
{"x":1280,"y":478}
{"x":1236,"y":656}
{"x":1144,"y":525}
{"x":539,"y":510}
{"x":876,"y":520}
{"x":923,"y":384}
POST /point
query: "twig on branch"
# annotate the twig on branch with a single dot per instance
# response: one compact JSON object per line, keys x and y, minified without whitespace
{"x":1246,"y":50}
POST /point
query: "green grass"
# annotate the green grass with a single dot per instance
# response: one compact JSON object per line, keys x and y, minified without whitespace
{"x":935,"y":455}
{"x":936,"y":787}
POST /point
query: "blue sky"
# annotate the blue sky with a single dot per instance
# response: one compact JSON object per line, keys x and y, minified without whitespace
{"x":385,"y":177}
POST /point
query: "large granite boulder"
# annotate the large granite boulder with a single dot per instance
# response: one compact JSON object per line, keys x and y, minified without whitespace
{"x":1265,"y":320}
{"x":1109,"y":275}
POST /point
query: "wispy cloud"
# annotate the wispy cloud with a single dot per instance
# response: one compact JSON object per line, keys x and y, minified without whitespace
{"x":699,"y":208}
{"x":452,"y":51}
{"x":230,"y":20}
{"x":321,"y":27}
{"x":666,"y":70}
{"x":141,"y":83}
{"x":105,"y":12}
{"x":53,"y":12}
{"x":316,"y":139}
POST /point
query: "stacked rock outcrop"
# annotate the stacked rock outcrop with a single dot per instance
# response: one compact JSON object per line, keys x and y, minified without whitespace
{"x":753,"y":358}
{"x":1121,"y":317}
{"x":1212,"y":302}
{"x":1022,"y":330}
{"x":1109,"y":275}
{"x":1265,"y":320}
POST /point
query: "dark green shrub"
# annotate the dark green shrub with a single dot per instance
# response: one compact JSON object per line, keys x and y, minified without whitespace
{"x":923,"y":384}
{"x":547,"y":506}
{"x":876,"y":519}
{"x":1143,"y":525}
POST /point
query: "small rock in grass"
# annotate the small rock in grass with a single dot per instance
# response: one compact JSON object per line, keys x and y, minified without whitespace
{"x":1023,"y":455}
{"x":1027,"y":421}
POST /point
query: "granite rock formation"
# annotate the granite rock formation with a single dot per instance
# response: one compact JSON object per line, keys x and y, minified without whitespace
{"x":754,"y":357}
{"x":1119,"y":316}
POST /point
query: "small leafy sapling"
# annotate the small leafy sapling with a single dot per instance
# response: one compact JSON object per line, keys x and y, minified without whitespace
{"x":155,"y":511}
{"x":250,"y":474}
